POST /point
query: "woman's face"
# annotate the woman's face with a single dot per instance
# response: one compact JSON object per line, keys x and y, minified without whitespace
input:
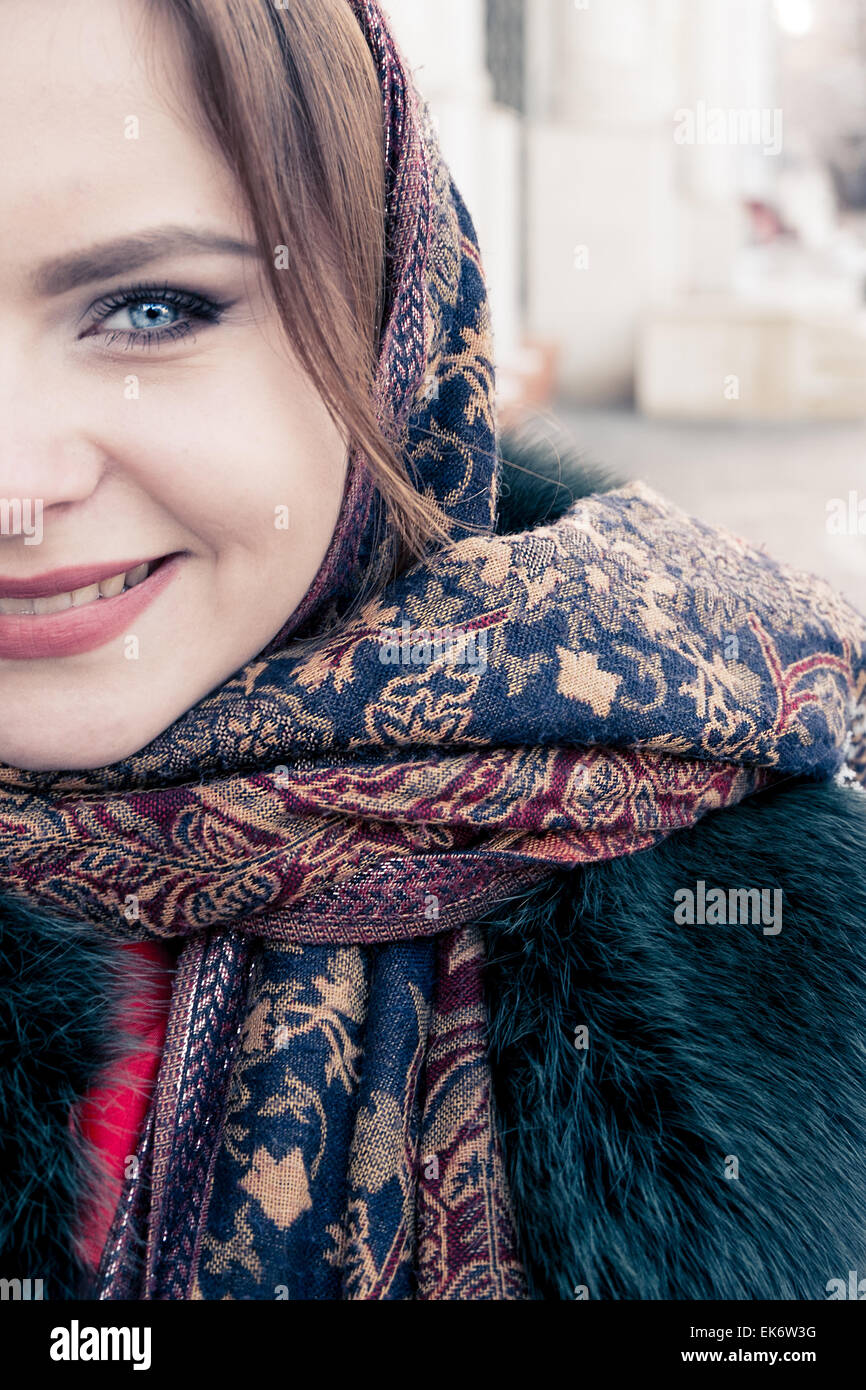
{"x":152,"y":411}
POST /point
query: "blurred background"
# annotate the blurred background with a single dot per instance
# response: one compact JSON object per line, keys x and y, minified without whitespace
{"x":670,"y":197}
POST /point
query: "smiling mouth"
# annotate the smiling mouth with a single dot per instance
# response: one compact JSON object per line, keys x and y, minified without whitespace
{"x":72,"y":611}
{"x":57,"y":601}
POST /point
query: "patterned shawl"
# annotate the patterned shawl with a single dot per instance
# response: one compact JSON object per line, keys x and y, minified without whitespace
{"x":324,"y":828}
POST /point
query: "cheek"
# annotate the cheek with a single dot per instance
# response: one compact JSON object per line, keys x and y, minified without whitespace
{"x":245,"y":462}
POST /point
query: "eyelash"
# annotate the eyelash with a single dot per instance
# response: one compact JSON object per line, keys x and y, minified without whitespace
{"x":198,"y":307}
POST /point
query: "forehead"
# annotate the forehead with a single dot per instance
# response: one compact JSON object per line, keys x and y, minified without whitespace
{"x":93,"y":135}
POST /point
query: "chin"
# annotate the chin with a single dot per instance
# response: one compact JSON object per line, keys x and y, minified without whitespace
{"x":77,"y":721}
{"x":66,"y":756}
{"x":75,"y":749}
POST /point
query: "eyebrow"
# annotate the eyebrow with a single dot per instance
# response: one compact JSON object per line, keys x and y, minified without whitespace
{"x":129,"y":253}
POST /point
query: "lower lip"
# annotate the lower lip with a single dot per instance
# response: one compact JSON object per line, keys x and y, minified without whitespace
{"x":76,"y":630}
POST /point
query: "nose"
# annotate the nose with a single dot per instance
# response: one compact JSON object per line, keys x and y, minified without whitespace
{"x":46,"y":456}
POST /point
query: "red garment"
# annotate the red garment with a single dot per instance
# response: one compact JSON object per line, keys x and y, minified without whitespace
{"x":111,"y":1114}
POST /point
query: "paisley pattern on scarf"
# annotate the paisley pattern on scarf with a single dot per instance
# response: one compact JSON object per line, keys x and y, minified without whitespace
{"x":625,"y":626}
{"x":385,"y":1181}
{"x":322,"y":1123}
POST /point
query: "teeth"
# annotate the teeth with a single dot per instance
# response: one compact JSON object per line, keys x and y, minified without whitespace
{"x":53,"y":603}
{"x":16,"y":605}
{"x":56,"y":603}
{"x":110,"y":588}
{"x":85,"y":595}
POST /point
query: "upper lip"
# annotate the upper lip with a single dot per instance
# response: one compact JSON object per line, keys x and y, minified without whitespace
{"x":64,"y":581}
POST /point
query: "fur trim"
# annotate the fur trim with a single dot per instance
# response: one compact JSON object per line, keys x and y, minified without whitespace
{"x":542,"y":474}
{"x":706,"y":1043}
{"x":63,"y":991}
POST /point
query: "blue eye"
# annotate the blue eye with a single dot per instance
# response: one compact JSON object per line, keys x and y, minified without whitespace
{"x":150,"y":315}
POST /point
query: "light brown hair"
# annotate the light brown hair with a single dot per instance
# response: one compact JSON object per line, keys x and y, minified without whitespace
{"x":290,"y":95}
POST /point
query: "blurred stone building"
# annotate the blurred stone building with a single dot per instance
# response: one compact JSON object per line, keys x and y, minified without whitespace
{"x":657,"y":203}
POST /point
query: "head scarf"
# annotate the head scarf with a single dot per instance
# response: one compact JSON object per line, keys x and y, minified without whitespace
{"x":324,"y":829}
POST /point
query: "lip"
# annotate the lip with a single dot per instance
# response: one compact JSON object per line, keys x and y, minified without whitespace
{"x":31,"y":637}
{"x":65,"y":580}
